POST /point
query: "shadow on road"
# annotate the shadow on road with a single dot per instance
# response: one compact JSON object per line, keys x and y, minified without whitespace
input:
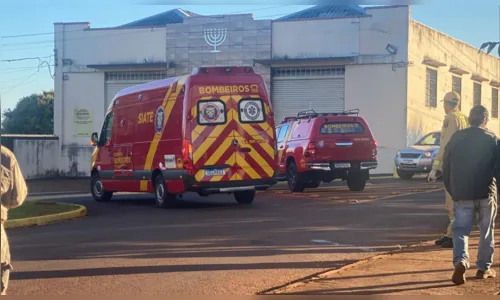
{"x":169,"y":269}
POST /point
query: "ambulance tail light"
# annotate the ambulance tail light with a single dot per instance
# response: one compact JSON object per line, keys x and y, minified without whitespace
{"x":310,"y":150}
{"x":187,"y":155}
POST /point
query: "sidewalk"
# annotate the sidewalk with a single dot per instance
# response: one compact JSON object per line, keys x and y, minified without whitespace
{"x":423,"y":270}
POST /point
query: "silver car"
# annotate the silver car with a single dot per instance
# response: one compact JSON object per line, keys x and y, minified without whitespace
{"x":418,"y":158}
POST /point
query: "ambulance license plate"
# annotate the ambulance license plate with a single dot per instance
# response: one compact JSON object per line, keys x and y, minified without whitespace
{"x":342,"y":165}
{"x":215,"y":172}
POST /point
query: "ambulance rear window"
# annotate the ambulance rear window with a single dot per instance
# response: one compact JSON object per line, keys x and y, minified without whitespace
{"x":251,"y":110}
{"x":341,"y":127}
{"x":211,"y":112}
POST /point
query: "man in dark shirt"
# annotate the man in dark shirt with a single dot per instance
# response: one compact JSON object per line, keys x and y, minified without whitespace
{"x":470,"y":173}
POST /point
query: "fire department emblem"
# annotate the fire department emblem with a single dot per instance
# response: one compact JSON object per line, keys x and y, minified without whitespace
{"x":210,"y":112}
{"x":159,"y":119}
{"x":251,"y":110}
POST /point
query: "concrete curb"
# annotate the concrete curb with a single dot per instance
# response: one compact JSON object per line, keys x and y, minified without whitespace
{"x":81,"y":211}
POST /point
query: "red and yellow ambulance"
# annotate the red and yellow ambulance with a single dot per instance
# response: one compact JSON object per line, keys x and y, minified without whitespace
{"x":208,"y":132}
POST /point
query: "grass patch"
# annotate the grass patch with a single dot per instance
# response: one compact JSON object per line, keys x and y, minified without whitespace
{"x":31,"y":209}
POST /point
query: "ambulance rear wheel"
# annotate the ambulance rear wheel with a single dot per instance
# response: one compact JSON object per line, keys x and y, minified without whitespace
{"x":244,"y":197}
{"x":97,"y":189}
{"x":163,"y":198}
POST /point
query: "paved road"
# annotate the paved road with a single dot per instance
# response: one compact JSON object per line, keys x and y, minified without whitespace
{"x":129,"y":247}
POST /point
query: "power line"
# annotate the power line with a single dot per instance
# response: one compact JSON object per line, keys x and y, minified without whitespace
{"x":41,"y":63}
{"x":25,"y":58}
{"x":21,"y":83}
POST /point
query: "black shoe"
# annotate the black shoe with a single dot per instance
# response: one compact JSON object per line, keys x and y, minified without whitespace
{"x":486,"y":274}
{"x":448,"y":243}
{"x":458,"y":277}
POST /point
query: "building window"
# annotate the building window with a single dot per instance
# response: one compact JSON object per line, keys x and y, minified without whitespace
{"x":456,"y":86}
{"x":477,"y":94}
{"x":494,"y":103}
{"x":431,"y":88}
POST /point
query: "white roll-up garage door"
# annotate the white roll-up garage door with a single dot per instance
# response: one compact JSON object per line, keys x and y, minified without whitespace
{"x":117,"y":81}
{"x":296,"y":89}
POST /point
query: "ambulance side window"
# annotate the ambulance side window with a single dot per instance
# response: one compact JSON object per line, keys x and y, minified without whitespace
{"x":251,"y":110}
{"x":106,"y":131}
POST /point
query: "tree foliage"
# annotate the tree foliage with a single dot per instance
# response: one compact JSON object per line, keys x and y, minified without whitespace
{"x":489,"y":46}
{"x":33,"y":114}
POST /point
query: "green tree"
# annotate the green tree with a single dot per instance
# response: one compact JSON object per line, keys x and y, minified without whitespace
{"x":491,"y":46}
{"x":33,"y":114}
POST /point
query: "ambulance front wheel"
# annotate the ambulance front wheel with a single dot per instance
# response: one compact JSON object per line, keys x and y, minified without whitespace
{"x":97,"y":190}
{"x":162,"y":197}
{"x":244,"y":197}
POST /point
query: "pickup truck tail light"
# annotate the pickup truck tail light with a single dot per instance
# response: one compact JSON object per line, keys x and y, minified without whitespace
{"x":374,"y":149}
{"x":310,"y":150}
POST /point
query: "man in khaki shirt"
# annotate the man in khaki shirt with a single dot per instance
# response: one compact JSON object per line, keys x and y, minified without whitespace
{"x":13,"y":194}
{"x":454,"y":121}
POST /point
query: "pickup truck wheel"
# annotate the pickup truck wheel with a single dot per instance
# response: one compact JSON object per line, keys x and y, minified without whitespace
{"x":163,"y":198}
{"x":356,"y":182}
{"x":294,"y":183}
{"x":244,"y":197}
{"x":97,"y":190}
{"x":313,"y":184}
{"x":405,"y":174}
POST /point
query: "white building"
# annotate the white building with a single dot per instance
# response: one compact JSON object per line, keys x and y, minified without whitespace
{"x":328,"y":58}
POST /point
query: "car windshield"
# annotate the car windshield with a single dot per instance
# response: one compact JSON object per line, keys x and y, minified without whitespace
{"x":432,"y":139}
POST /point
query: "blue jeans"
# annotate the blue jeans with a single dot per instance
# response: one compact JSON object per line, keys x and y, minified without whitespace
{"x":464,"y":215}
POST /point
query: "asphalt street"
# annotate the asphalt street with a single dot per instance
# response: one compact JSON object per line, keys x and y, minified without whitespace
{"x":211,"y":246}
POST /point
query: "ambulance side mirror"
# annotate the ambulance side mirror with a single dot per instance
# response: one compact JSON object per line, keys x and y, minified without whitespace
{"x":94,"y":139}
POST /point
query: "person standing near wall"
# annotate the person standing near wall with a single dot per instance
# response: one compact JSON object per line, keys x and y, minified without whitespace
{"x":454,"y":121}
{"x":471,"y":173}
{"x":13,"y":193}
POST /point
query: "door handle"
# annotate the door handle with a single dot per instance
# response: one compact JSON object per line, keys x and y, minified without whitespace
{"x":244,"y":150}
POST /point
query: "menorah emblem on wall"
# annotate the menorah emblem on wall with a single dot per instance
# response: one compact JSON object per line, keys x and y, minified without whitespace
{"x":215,"y":37}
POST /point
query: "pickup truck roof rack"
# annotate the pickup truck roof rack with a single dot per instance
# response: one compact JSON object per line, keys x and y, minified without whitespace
{"x":312,"y":114}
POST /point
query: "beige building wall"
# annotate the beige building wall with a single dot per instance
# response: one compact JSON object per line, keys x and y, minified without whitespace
{"x":450,"y":57}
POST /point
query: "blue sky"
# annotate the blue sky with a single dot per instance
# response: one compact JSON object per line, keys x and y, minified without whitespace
{"x":462,"y":19}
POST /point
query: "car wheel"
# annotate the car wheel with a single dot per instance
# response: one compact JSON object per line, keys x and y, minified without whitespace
{"x":405,"y":175}
{"x":294,"y":184}
{"x":356,"y":182}
{"x":163,"y":198}
{"x":97,"y":189}
{"x":244,"y":197}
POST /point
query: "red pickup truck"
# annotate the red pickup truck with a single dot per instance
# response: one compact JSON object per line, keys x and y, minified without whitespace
{"x":321,"y":147}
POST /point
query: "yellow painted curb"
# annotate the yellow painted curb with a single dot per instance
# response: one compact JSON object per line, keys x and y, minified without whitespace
{"x":81,"y":211}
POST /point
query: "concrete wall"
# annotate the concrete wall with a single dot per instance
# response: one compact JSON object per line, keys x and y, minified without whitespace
{"x":315,"y":38}
{"x":34,"y":153}
{"x":377,"y":84}
{"x":79,"y":87}
{"x":246,"y":39}
{"x":427,"y":43}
